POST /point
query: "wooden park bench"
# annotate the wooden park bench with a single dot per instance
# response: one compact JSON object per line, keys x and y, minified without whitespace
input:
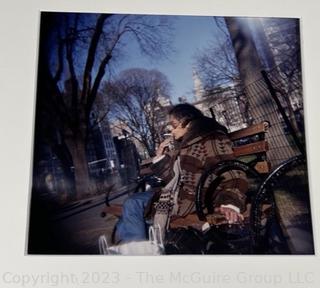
{"x":249,"y":146}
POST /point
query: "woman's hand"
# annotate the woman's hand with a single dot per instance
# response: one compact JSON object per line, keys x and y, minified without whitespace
{"x":230,"y":214}
{"x":161,"y":149}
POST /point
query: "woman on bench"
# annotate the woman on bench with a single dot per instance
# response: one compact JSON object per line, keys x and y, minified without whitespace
{"x":201,"y":142}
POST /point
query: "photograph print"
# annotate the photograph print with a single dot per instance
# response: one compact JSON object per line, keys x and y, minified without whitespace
{"x":159,"y":135}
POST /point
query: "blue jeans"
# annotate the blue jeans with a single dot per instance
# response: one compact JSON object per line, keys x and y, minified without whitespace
{"x":132,"y":225}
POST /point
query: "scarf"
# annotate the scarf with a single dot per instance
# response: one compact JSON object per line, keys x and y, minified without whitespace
{"x":167,"y":204}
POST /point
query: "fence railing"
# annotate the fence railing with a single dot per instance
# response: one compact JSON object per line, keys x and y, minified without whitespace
{"x":277,"y":98}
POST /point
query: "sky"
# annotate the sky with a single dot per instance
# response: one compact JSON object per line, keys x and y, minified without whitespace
{"x":191,"y":33}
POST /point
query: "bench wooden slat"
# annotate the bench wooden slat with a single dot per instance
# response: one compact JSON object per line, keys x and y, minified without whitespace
{"x":258,"y":147}
{"x":252,"y":148}
{"x":249,"y":131}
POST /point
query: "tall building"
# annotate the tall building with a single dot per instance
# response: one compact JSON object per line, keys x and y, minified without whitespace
{"x":284,"y":41}
{"x":283,"y":37}
{"x":128,"y":158}
{"x":161,"y":113}
{"x":278,"y":44}
{"x":224,"y":103}
{"x":198,"y":90}
{"x":101,"y":152}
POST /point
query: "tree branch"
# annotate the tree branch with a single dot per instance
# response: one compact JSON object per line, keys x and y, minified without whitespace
{"x":91,"y":56}
{"x":57,"y":77}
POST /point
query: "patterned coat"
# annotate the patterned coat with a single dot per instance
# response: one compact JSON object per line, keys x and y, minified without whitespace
{"x":205,"y":144}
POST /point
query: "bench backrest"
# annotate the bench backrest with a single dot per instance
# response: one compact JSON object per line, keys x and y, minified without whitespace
{"x":250,"y":145}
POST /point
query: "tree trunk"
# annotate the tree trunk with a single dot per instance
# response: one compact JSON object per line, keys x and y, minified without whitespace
{"x":77,"y":150}
{"x":62,"y":152}
{"x":262,"y":106}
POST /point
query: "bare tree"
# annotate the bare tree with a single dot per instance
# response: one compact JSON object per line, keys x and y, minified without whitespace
{"x":78,"y":49}
{"x":137,"y":104}
{"x":216,"y":64}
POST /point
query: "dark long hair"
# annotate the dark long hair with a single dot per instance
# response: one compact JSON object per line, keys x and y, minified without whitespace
{"x":200,"y":124}
{"x":185,"y":113}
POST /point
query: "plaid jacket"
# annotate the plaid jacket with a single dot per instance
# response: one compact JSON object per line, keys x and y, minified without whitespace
{"x":205,"y":145}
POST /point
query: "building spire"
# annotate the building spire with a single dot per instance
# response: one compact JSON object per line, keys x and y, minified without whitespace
{"x":197,"y":84}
